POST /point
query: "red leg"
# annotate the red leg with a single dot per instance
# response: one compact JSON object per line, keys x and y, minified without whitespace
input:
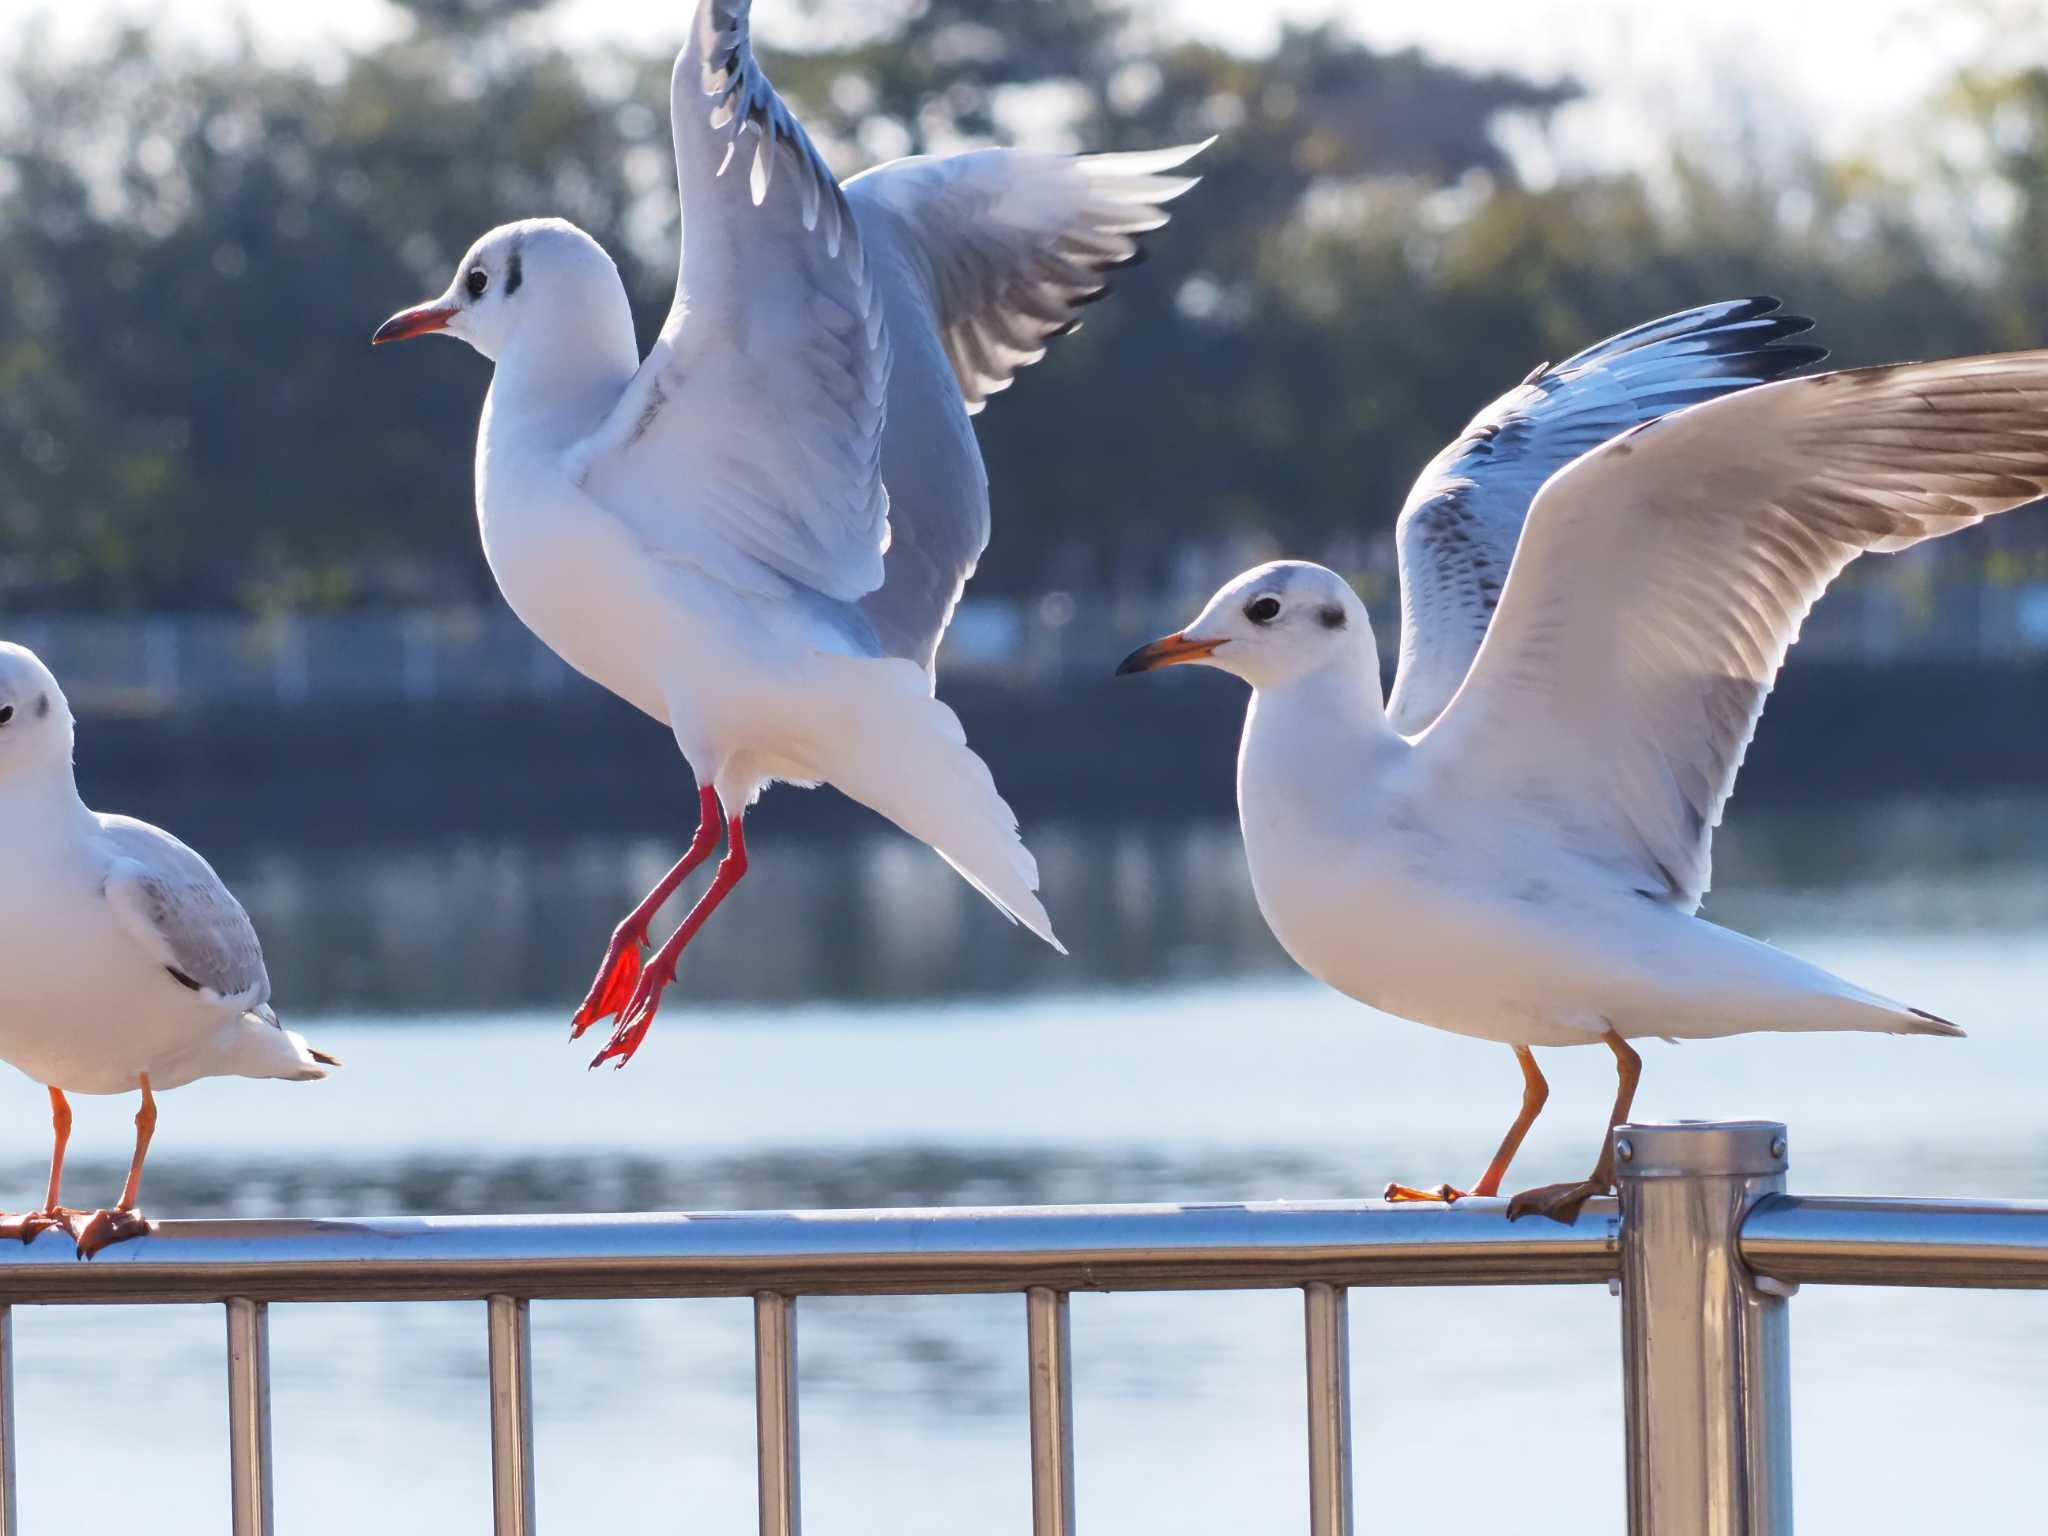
{"x":638,"y":1013}
{"x":620,"y":970}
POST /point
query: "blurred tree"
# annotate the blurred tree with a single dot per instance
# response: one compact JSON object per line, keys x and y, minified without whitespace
{"x":193,"y":249}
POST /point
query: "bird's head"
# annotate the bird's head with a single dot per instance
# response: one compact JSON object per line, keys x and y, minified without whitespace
{"x":1272,"y":626}
{"x":537,"y":277}
{"x":35,"y":718}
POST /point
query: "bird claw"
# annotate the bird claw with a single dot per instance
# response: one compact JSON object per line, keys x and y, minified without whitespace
{"x":1441,"y":1194}
{"x":1560,"y":1202}
{"x":617,"y":978}
{"x":637,"y":1017}
{"x":104,"y":1228}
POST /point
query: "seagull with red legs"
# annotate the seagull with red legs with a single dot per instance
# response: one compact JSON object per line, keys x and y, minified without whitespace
{"x":1599,"y":583}
{"x":757,"y":534}
{"x":125,"y":963}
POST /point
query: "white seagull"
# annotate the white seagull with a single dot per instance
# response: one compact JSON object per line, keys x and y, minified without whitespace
{"x":124,"y":962}
{"x":758,"y":534}
{"x":1516,"y":852}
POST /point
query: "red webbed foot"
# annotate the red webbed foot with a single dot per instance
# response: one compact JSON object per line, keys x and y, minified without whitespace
{"x":617,"y":977}
{"x":637,"y":1016}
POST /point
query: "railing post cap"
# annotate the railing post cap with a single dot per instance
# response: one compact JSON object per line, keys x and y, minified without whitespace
{"x":1680,"y":1149}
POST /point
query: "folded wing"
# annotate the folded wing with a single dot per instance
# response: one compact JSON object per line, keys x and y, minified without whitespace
{"x":1456,"y":536}
{"x":749,"y":443}
{"x":176,"y":907}
{"x":1662,"y":578}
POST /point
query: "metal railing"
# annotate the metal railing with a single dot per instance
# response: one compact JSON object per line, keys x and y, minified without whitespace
{"x":1703,"y":1245}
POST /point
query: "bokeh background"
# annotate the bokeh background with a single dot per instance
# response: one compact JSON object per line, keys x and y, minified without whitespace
{"x":245,"y":542}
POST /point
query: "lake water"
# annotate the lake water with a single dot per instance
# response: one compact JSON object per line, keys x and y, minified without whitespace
{"x":857,"y":1029}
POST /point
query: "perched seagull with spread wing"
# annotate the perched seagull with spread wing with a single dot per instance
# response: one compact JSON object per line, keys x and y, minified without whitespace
{"x":124,"y":962}
{"x":1515,"y":846}
{"x":758,"y":534}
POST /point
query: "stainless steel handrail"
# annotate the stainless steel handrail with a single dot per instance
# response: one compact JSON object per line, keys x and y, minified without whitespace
{"x":902,"y":1252}
{"x":1709,"y":1254}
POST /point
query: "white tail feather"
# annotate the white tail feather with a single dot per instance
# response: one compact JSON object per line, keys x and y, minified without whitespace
{"x":903,"y":754}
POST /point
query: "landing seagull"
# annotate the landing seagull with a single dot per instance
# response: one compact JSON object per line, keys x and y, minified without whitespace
{"x":124,"y":962}
{"x":1516,"y":852}
{"x":757,"y":535}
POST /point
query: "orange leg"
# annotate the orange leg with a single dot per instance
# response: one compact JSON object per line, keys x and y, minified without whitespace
{"x":1561,"y":1202}
{"x":53,"y":1215}
{"x":106,"y":1227}
{"x":1535,"y":1091}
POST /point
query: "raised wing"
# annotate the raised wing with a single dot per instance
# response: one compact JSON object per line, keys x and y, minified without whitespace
{"x":1014,"y":245}
{"x":176,"y":907}
{"x":982,"y":259}
{"x":749,"y":443}
{"x":1457,"y":534}
{"x":1662,"y":578}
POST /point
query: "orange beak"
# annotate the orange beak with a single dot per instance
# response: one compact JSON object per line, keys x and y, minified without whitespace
{"x":1168,"y":651}
{"x":417,"y":321}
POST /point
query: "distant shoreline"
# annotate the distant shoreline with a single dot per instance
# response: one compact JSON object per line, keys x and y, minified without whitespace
{"x":1082,"y":750}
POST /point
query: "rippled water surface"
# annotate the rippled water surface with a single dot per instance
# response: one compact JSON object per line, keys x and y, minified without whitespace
{"x":858,"y":1030}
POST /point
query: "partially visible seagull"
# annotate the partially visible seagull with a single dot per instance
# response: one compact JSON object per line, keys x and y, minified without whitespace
{"x":757,"y":535}
{"x":1516,"y":852}
{"x":124,"y":962}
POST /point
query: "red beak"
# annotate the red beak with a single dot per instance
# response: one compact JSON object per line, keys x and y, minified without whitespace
{"x":1167,"y":652}
{"x":417,"y":321}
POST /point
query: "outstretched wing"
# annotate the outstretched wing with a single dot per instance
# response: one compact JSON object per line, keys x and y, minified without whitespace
{"x":1663,"y":576}
{"x":749,"y":443}
{"x":176,"y":907}
{"x":982,"y":259}
{"x":1456,"y":536}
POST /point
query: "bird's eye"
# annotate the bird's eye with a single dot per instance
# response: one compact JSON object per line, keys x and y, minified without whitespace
{"x":1263,"y":610}
{"x":477,"y":281}
{"x":6,"y":713}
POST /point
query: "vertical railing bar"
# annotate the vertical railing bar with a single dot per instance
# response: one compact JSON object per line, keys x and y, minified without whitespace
{"x":511,"y":1332}
{"x":1052,"y":1412}
{"x":10,"y":1523}
{"x":1328,"y":1319}
{"x":775,"y":1417}
{"x":1706,"y":1348}
{"x":249,"y":1417}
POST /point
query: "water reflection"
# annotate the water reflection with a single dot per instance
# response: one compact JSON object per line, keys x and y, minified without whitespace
{"x":478,"y":925}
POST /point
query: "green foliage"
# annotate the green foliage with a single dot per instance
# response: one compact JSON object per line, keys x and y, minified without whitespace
{"x":194,"y":249}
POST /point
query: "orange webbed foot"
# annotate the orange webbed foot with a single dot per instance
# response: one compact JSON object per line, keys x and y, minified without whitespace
{"x":1441,"y":1194}
{"x":1560,"y":1202}
{"x":105,"y":1228}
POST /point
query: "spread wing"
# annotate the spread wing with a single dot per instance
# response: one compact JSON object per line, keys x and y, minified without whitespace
{"x":749,"y":443}
{"x":176,"y":907}
{"x":1456,"y":536}
{"x":982,"y":259}
{"x":1663,"y":576}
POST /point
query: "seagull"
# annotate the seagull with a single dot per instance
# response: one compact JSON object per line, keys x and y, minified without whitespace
{"x":125,"y":963}
{"x":1514,"y":847}
{"x":758,"y":534}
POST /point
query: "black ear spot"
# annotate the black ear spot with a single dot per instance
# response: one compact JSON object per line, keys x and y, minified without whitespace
{"x":1331,"y":617}
{"x":42,"y":706}
{"x":515,"y":274}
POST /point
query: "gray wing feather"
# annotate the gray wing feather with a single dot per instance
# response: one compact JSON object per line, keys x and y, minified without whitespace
{"x":980,"y":260}
{"x":1457,"y":534}
{"x":178,"y":908}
